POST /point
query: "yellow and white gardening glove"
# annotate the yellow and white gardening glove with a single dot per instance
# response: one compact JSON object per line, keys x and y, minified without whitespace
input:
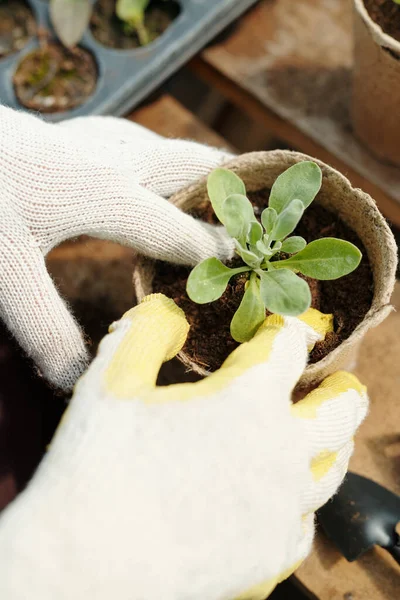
{"x":201,"y":490}
{"x":100,"y":176}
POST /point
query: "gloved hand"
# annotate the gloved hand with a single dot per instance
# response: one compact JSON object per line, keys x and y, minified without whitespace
{"x":203,"y":490}
{"x":99,"y":176}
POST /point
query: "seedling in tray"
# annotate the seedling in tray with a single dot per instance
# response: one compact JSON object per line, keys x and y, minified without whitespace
{"x":70,"y":18}
{"x":269,"y":255}
{"x":132,"y":13}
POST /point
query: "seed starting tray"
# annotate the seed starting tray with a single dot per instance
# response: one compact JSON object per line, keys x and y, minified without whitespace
{"x":125,"y":77}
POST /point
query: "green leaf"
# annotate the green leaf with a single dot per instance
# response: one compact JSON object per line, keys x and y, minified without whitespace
{"x":208,"y":280}
{"x":302,"y":181}
{"x":237,"y":214}
{"x":284,"y":293}
{"x":324,"y":259}
{"x":268,"y":219}
{"x":131,"y":11}
{"x":265,"y":251}
{"x":255,"y":234}
{"x":249,"y":257}
{"x":70,"y":19}
{"x":250,"y":314}
{"x":293,"y":244}
{"x":288,"y":220}
{"x":276,"y":247}
{"x":222,"y":183}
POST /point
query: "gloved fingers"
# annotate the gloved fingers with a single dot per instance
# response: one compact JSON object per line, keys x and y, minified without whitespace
{"x":36,"y":315}
{"x":130,"y":356}
{"x":274,"y":358}
{"x":331,"y":414}
{"x":281,"y":345}
{"x":168,"y":166}
{"x":328,"y":471}
{"x":68,"y":184}
{"x":161,"y":165}
{"x":125,"y":212}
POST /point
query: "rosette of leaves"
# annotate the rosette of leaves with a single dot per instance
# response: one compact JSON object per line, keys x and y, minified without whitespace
{"x":273,"y":283}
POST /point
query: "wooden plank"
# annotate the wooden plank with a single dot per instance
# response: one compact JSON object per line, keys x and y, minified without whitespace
{"x":169,"y":118}
{"x":375,"y":576}
{"x":288,"y":64}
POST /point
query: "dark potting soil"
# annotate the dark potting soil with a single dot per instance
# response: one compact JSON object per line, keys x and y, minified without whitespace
{"x":54,"y":79}
{"x":17,"y":25}
{"x":386,"y":14}
{"x":110,"y":31}
{"x":209,"y":341}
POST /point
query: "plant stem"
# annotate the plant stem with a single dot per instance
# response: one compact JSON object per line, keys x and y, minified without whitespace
{"x":142,"y":32}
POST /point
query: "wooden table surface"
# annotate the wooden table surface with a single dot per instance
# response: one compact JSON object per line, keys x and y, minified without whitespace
{"x":288,"y":64}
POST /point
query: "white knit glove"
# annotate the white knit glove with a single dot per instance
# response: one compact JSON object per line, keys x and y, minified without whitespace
{"x":99,"y":176}
{"x":200,"y":491}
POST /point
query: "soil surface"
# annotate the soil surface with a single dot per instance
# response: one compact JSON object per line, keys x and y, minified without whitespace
{"x":17,"y":26}
{"x":110,"y":31}
{"x":54,"y":79}
{"x":209,"y":341}
{"x":386,"y":14}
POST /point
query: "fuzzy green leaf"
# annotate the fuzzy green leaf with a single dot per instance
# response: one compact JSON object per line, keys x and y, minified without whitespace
{"x":284,"y":293}
{"x":70,"y":19}
{"x":208,"y":280}
{"x":250,"y":314}
{"x":261,"y":247}
{"x":277,"y":247}
{"x":255,"y":234}
{"x":324,"y":259}
{"x":237,"y":214}
{"x":222,"y":183}
{"x":131,"y":11}
{"x":249,"y":257}
{"x":293,"y":244}
{"x":288,"y":220}
{"x":268,"y":219}
{"x":302,"y":181}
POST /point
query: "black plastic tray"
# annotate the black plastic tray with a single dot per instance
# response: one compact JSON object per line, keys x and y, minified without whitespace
{"x":127,"y":76}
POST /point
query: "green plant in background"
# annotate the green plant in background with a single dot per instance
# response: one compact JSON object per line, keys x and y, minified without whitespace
{"x":132,"y":12}
{"x":70,"y":19}
{"x":273,"y":284}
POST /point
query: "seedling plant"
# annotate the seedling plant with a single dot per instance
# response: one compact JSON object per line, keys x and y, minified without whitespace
{"x":70,"y":18}
{"x":270,"y":255}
